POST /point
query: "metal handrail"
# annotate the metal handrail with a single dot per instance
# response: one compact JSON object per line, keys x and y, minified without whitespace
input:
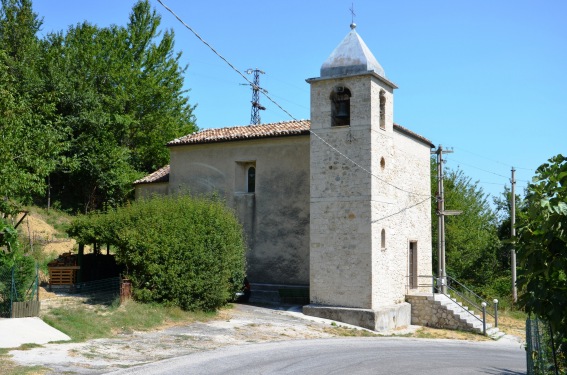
{"x":481,"y":308}
{"x":466,"y":299}
{"x":470,"y":291}
{"x":420,"y":285}
{"x":440,"y":290}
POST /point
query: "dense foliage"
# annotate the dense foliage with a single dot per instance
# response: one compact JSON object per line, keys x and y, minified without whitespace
{"x":29,"y":139}
{"x":178,"y":250}
{"x":542,"y":247}
{"x":86,"y":111}
{"x":13,"y":264}
{"x":472,"y":245}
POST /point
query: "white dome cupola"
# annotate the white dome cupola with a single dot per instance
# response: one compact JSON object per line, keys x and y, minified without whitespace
{"x":351,"y":56}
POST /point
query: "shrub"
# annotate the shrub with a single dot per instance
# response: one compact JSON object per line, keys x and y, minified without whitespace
{"x":178,"y":250}
{"x":13,"y":263}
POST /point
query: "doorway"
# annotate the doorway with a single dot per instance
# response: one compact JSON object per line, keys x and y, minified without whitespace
{"x":412,"y":266}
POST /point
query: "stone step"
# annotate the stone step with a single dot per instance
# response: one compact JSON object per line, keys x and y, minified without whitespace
{"x":466,"y":316}
{"x":495,"y":333}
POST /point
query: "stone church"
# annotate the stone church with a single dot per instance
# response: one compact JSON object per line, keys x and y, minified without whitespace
{"x":339,"y":204}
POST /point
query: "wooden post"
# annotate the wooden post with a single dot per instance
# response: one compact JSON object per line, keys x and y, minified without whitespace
{"x":80,"y":262}
{"x":125,"y":290}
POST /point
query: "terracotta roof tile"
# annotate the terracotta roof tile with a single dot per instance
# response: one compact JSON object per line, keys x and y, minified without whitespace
{"x":276,"y":129}
{"x":161,"y":175}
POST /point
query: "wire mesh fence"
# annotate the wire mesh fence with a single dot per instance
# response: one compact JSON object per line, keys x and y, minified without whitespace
{"x":18,"y":283}
{"x":5,"y":288}
{"x":544,"y":356}
{"x":99,"y":291}
{"x":103,"y":291}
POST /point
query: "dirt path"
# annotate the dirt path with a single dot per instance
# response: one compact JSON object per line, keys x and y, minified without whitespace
{"x":240,"y":326}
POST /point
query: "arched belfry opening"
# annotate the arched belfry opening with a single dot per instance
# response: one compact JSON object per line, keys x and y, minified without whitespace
{"x":340,"y":106}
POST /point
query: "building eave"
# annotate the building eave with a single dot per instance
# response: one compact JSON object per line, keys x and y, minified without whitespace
{"x":370,"y":72}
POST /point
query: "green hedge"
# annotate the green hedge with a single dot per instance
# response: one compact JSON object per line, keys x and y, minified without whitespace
{"x":178,"y":250}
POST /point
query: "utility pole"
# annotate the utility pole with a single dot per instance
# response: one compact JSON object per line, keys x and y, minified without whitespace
{"x":256,"y":107}
{"x":513,"y":235}
{"x":442,"y":272}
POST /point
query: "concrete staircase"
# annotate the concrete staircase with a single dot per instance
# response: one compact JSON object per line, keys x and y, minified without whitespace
{"x":468,"y":319}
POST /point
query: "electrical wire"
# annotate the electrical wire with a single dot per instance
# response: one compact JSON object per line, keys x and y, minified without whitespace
{"x":493,"y":160}
{"x":400,"y":211}
{"x":480,"y":169}
{"x":264,"y":92}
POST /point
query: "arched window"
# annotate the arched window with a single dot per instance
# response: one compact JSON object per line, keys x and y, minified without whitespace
{"x":382,"y":109}
{"x":340,"y":106}
{"x":251,"y":179}
{"x":383,"y":239}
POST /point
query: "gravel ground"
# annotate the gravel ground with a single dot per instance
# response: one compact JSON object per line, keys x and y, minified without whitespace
{"x":244,"y":324}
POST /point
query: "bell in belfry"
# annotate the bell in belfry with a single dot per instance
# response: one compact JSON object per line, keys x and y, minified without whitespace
{"x":343,"y":110}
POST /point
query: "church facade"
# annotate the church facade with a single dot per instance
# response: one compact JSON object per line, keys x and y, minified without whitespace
{"x":340,"y":203}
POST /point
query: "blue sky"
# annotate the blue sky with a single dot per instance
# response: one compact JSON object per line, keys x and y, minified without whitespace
{"x":487,"y":78}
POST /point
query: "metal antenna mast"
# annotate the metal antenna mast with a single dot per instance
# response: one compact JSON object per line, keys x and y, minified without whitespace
{"x":256,"y":106}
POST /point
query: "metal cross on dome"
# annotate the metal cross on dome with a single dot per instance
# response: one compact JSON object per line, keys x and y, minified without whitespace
{"x":352,"y":12}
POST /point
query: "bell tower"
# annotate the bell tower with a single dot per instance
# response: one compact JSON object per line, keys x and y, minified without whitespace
{"x":351,"y":140}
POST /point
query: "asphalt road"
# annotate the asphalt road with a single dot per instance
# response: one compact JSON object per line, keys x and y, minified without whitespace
{"x":348,"y":356}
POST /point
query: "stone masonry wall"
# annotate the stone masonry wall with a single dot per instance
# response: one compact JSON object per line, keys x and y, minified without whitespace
{"x":350,"y":206}
{"x":275,"y":217}
{"x":425,"y":311}
{"x":342,"y":242}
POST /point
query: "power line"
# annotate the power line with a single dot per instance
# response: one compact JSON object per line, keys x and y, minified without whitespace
{"x":491,"y":183}
{"x":222,"y":57}
{"x":402,"y":210}
{"x":480,"y":169}
{"x":280,"y":107}
{"x":492,"y":160}
{"x":487,"y":171}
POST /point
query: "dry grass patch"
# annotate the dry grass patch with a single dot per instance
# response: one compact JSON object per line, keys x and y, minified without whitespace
{"x":513,"y":323}
{"x":337,"y":330}
{"x":438,"y":333}
{"x":9,"y":367}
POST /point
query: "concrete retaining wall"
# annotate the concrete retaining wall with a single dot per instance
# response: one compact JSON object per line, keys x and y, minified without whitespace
{"x":384,"y":319}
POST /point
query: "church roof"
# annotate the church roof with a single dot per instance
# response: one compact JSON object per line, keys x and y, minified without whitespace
{"x":275,"y":129}
{"x":351,"y":56}
{"x":237,"y":133}
{"x":161,"y":175}
{"x":413,"y":135}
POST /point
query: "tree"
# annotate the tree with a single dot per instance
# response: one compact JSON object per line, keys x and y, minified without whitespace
{"x":471,"y":240}
{"x":189,"y":252}
{"x":542,"y":247}
{"x":30,"y":143}
{"x":120,"y":97}
{"x":16,"y":269}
